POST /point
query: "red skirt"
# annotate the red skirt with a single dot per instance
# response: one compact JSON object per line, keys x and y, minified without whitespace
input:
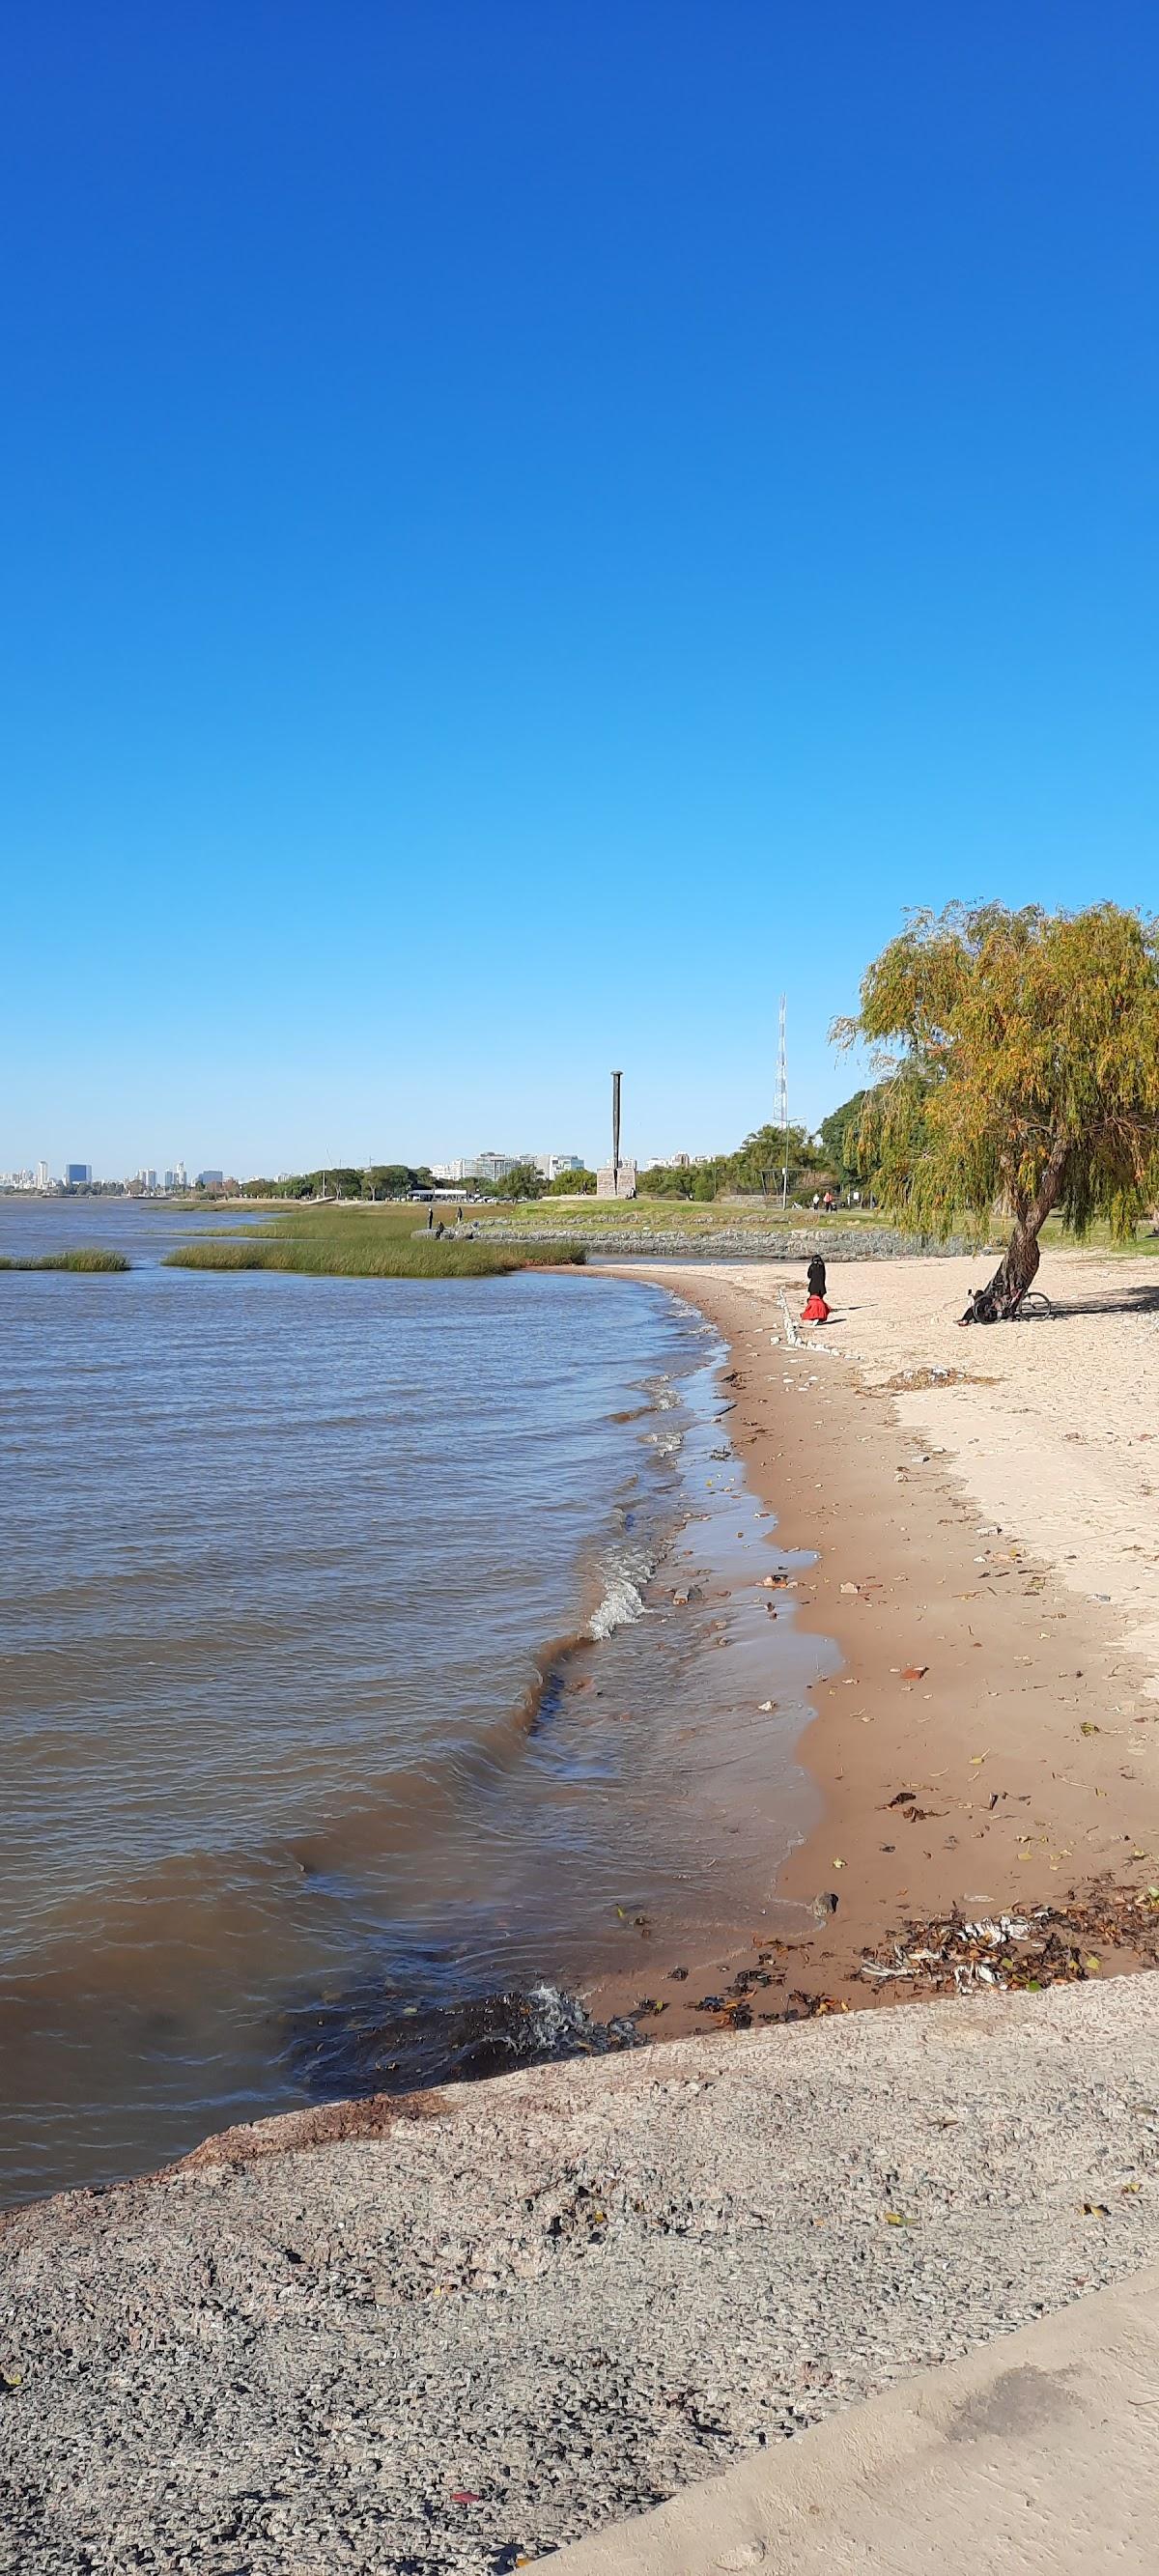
{"x":815,"y":1311}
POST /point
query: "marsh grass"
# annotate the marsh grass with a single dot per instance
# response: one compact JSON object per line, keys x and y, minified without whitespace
{"x":363,"y":1253}
{"x":88,"y":1257}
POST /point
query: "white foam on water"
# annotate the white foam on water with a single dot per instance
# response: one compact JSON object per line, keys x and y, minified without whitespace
{"x":621,"y":1604}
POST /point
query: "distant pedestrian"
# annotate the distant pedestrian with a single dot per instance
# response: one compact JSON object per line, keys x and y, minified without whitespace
{"x":816,"y":1276}
{"x":816,"y":1198}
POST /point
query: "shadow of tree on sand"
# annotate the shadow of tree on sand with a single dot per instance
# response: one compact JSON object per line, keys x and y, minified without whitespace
{"x":1133,"y":1298}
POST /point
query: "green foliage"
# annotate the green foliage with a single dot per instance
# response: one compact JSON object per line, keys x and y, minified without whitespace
{"x":764,"y":1156}
{"x":757,"y":1166}
{"x":696,"y":1181}
{"x":88,"y":1258}
{"x":838,"y":1133}
{"x":1019,"y":1067}
{"x":523,"y":1181}
{"x":395,"y":1180}
{"x":572,"y":1185}
{"x":345,"y":1181}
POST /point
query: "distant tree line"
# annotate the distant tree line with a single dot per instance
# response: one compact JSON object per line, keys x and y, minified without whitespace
{"x":831,"y":1159}
{"x":524,"y":1181}
{"x":345,"y":1181}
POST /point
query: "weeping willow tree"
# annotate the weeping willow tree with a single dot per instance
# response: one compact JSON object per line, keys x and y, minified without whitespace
{"x":1017,"y":1056}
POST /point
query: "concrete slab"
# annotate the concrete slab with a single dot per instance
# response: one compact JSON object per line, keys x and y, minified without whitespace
{"x":1037,"y":2456}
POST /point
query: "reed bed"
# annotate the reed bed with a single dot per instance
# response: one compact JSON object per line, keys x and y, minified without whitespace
{"x":87,"y":1258}
{"x":354,"y":1254}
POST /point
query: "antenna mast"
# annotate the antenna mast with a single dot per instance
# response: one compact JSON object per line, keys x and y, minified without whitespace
{"x":783,"y":1106}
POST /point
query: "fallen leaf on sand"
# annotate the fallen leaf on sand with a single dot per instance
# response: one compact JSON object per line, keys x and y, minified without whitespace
{"x":838,"y":1864}
{"x":914,"y":1672}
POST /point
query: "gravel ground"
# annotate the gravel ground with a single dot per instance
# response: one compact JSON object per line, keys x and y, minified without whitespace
{"x":468,"y":2334}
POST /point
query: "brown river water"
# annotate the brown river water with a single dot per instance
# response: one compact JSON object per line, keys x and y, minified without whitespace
{"x":342,"y":1689}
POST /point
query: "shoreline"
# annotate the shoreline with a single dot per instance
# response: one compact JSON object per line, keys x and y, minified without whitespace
{"x":1026,"y":1731}
{"x":987,"y":1742}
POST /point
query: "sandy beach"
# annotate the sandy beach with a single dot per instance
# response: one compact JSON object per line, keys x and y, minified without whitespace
{"x":984,"y":1510}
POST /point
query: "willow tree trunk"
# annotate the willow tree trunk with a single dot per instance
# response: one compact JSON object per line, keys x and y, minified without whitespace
{"x":1016,"y":1269}
{"x":1019,"y":1264}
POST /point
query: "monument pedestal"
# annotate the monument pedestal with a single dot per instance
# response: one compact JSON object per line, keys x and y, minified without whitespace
{"x":616,"y":1181}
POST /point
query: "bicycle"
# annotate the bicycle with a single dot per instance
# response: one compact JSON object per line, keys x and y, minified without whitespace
{"x":983,"y":1308}
{"x":1030,"y":1305}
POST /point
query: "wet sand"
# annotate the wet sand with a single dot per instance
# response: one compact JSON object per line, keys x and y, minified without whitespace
{"x":987,"y":1562}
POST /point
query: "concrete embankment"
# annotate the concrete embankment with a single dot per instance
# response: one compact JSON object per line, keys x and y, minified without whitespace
{"x":455,"y":2334}
{"x":1038,"y":2456}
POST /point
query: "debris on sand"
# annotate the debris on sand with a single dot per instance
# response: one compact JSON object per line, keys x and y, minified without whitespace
{"x":907,"y":1381}
{"x":1050,"y":1945}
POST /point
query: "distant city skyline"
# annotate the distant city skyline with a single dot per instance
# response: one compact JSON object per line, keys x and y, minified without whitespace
{"x":487,"y":1164}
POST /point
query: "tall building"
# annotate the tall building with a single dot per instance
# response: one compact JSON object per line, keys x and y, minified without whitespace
{"x":210,"y":1180}
{"x":78,"y":1175}
{"x":42,"y":1176}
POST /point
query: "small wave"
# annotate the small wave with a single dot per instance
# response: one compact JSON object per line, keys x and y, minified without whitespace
{"x":371,"y":2040}
{"x":667,"y":1444}
{"x":621,"y":1604}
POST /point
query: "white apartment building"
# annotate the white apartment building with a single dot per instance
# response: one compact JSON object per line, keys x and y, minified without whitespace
{"x":495,"y":1167}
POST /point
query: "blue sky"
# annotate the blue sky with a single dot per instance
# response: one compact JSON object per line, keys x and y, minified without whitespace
{"x":531,"y":527}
